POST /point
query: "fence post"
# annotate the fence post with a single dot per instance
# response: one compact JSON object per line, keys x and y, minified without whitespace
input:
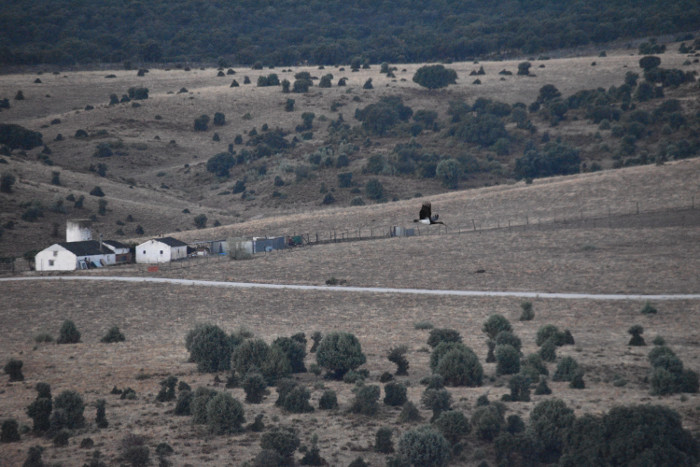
{"x":474,"y":225}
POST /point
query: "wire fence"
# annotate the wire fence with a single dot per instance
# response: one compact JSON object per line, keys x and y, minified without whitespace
{"x":632,"y":216}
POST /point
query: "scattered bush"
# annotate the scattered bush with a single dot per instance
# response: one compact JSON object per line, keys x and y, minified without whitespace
{"x":487,"y":421}
{"x":507,"y":359}
{"x":435,"y":76}
{"x":68,"y":411}
{"x":224,"y":414}
{"x":443,"y":335}
{"x":340,"y":352}
{"x":636,"y":331}
{"x":395,"y":394}
{"x":459,"y":366}
{"x":397,"y":355}
{"x":101,"y":413}
{"x":495,"y":324}
{"x":566,"y":369}
{"x":210,"y":348}
{"x":437,"y":400}
{"x":282,"y":440}
{"x":68,"y":333}
{"x":519,"y":388}
{"x":328,"y":400}
{"x":549,"y":421}
{"x":383,"y":442}
{"x":113,"y":335}
{"x":527,"y":311}
{"x":424,"y":446}
{"x":365,"y":401}
{"x":295,"y":352}
{"x":14,"y":369}
{"x":10,"y":431}
{"x":648,"y":309}
{"x":453,"y":425}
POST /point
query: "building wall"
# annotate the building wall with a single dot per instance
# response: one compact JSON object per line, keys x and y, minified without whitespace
{"x":78,"y":231}
{"x":55,"y":258}
{"x":154,"y":251}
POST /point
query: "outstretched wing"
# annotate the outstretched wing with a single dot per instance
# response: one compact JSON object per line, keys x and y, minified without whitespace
{"x":425,"y":211}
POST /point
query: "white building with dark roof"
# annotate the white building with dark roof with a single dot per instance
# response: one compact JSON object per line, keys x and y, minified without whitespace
{"x":161,"y":250}
{"x":69,"y":256}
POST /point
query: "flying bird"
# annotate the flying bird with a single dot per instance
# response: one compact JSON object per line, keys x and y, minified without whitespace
{"x":425,"y":216}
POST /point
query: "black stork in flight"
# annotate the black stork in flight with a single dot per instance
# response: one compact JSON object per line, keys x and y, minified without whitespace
{"x":425,"y":216}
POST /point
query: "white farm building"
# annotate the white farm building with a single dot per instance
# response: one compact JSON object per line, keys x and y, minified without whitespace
{"x":161,"y":250}
{"x":69,"y":256}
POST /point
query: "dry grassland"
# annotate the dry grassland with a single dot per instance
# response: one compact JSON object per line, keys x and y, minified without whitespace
{"x":612,"y":250}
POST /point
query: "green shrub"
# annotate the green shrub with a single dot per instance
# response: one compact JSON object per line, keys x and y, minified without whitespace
{"x":282,"y":440}
{"x":276,"y":366}
{"x":507,"y":360}
{"x":487,"y":421}
{"x":549,"y":421}
{"x":340,"y":352}
{"x":68,"y":411}
{"x":113,"y":335}
{"x":453,"y":425}
{"x":424,"y":446}
{"x":14,"y":369}
{"x":507,"y":337}
{"x":297,"y":400}
{"x":394,"y":394}
{"x":519,"y":388}
{"x":566,"y":369}
{"x":382,"y":440}
{"x":397,"y":355}
{"x":255,"y":387}
{"x":460,"y":367}
{"x":10,"y":431}
{"x":438,"y":336}
{"x":542,"y":388}
{"x":433,"y":381}
{"x":101,"y":413}
{"x":546,"y":332}
{"x":68,"y":334}
{"x":34,"y":457}
{"x":224,"y":414}
{"x":40,"y":412}
{"x":434,"y":76}
{"x":577,"y":381}
{"x":210,"y":348}
{"x":61,"y":437}
{"x":134,"y":450}
{"x":328,"y":400}
{"x":437,"y":400}
{"x":527,"y":311}
{"x":548,"y":351}
{"x":648,"y":309}
{"x":295,"y":352}
{"x":183,"y":403}
{"x":409,"y":413}
{"x":365,"y":401}
{"x":636,"y":332}
{"x":198,"y":404}
{"x":495,"y":324}
{"x":631,"y":435}
{"x":167,"y":389}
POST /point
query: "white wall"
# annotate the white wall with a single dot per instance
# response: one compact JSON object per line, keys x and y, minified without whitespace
{"x":154,"y":251}
{"x":62,"y":259}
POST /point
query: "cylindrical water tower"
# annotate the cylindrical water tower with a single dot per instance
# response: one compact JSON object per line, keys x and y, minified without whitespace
{"x":78,"y":230}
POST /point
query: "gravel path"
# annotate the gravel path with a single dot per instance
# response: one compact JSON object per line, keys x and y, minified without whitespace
{"x":461,"y":293}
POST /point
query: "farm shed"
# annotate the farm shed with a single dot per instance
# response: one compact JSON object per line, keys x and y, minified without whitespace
{"x":208,"y":247}
{"x":161,"y":250}
{"x":69,"y":256}
{"x":121,"y":251}
{"x":266,"y":244}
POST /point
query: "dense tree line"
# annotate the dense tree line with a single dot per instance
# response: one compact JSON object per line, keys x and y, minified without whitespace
{"x":284,"y":32}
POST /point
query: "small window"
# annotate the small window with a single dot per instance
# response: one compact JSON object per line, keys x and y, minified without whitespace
{"x":144,"y":252}
{"x":55,"y":253}
{"x":161,"y":252}
{"x":50,"y":262}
